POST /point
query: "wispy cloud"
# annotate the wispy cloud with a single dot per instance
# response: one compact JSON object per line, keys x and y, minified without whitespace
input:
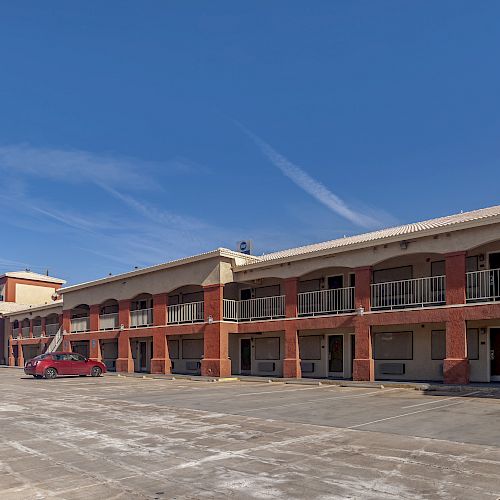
{"x":311,"y":186}
{"x":77,"y":166}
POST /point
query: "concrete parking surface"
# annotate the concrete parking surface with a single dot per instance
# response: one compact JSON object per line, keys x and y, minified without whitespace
{"x":128,"y":437}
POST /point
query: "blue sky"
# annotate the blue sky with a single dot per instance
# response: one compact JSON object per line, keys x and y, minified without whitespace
{"x":132,"y":133}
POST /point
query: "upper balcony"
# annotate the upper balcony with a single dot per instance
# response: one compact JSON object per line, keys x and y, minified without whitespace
{"x":80,"y":319}
{"x":186,"y":305}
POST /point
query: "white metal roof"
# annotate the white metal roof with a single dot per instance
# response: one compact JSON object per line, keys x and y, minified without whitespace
{"x":29,"y":275}
{"x":434,"y":226}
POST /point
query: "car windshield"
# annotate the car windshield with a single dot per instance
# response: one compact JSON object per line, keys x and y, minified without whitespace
{"x":40,"y":356}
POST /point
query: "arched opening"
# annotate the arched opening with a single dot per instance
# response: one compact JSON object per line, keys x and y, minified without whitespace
{"x":108,"y":315}
{"x":415,"y":280}
{"x":483,"y":272}
{"x":186,"y":305}
{"x":16,"y":329}
{"x":52,"y":324}
{"x":37,"y":326}
{"x":254,"y":300}
{"x":80,"y":318}
{"x":25,"y":328}
{"x":141,"y":310}
{"x":326,"y":291}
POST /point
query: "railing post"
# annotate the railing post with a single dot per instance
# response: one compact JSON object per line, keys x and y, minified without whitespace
{"x":215,"y":362}
{"x":94,"y":317}
{"x":456,"y":280}
{"x":364,"y":369}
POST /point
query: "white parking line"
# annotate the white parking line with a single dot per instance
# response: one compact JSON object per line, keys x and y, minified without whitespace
{"x":441,"y":400}
{"x":308,"y":402}
{"x":357,"y":426}
{"x":277,"y":390}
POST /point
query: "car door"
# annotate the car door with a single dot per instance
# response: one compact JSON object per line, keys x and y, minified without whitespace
{"x":79,"y":364}
{"x":62,"y":364}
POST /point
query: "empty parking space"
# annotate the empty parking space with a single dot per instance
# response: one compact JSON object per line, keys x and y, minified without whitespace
{"x":127,"y":437}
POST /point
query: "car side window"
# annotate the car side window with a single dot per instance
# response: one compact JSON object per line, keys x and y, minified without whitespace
{"x":57,"y":357}
{"x":76,"y":357}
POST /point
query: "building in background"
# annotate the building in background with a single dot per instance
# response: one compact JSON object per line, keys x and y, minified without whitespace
{"x":414,"y":302}
{"x":21,"y":290}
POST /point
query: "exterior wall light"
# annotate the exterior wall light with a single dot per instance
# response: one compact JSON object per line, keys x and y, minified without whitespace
{"x":210,"y":319}
{"x":403,"y":245}
{"x":360,"y":311}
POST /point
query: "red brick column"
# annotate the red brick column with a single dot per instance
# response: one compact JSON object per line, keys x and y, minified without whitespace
{"x":95,"y":309}
{"x":66,"y":321}
{"x":124,"y":362}
{"x":44,"y":326}
{"x":456,"y":364}
{"x":20,"y":354}
{"x":363,"y":368}
{"x":32,"y":321}
{"x":160,"y":362}
{"x":291,"y":361}
{"x":95,"y":348}
{"x":215,"y":362}
{"x":8,"y":326}
{"x":455,"y":278}
{"x":124,"y":313}
{"x":160,"y":302}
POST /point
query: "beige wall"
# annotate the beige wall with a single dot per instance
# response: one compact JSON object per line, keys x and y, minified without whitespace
{"x":32,"y":294}
{"x":234,"y":354}
{"x":202,"y":273}
{"x":422,"y":366}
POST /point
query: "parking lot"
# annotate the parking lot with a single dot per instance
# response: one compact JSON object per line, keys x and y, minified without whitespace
{"x":129,"y":437}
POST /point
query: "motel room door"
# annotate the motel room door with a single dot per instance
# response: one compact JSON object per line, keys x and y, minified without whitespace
{"x":246,"y":356}
{"x":495,"y":354}
{"x":336,"y":356}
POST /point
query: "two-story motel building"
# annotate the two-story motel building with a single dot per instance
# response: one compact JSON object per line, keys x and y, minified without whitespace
{"x":416,"y":302}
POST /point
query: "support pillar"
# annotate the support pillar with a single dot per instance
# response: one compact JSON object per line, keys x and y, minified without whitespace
{"x":456,"y":364}
{"x":291,"y":361}
{"x":215,"y":362}
{"x":95,"y":348}
{"x":44,"y":327}
{"x":11,"y":360}
{"x":94,"y":317}
{"x":160,"y":361}
{"x":66,"y":321}
{"x":124,"y":362}
{"x":124,"y":313}
{"x":363,"y":367}
{"x":456,"y":281}
{"x":20,"y":354}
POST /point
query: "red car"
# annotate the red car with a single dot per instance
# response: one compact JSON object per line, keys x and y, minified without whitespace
{"x":50,"y":365}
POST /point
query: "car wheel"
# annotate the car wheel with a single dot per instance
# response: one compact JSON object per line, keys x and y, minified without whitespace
{"x":50,"y":373}
{"x":96,"y":371}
